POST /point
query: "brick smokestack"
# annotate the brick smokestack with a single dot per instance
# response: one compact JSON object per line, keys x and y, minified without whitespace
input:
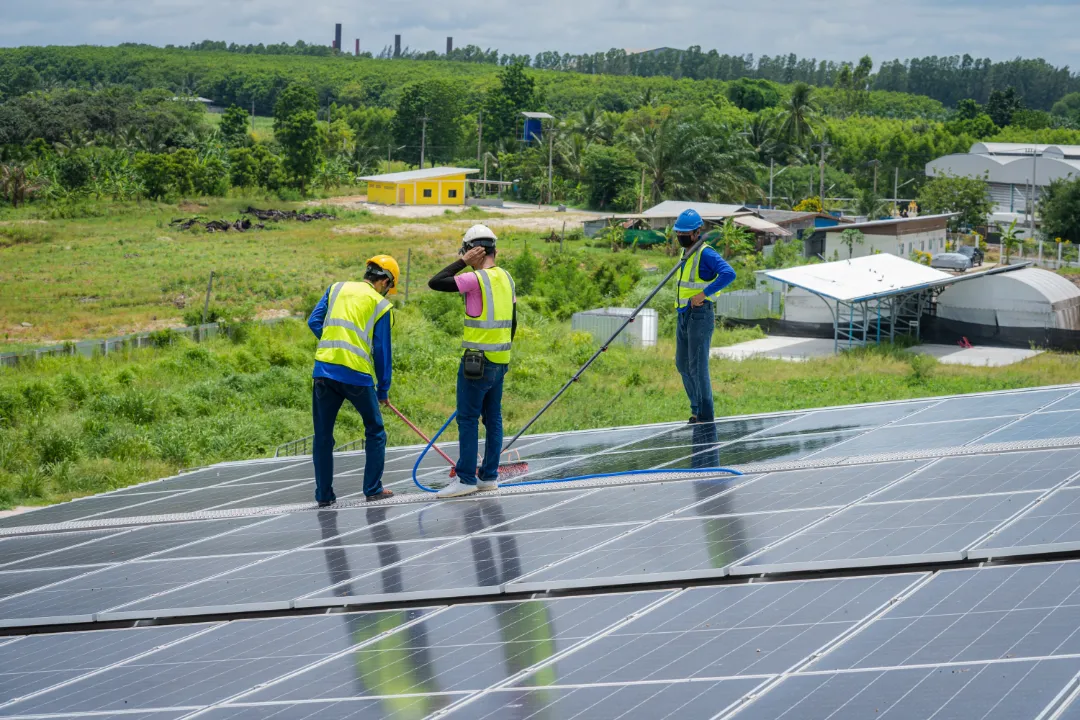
{"x":449,"y":45}
{"x":337,"y":37}
{"x":397,"y":46}
{"x":357,"y":47}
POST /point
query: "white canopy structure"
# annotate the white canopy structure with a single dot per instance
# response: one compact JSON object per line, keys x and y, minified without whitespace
{"x":876,"y":297}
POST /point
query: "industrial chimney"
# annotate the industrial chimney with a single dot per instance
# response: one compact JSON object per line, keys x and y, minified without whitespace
{"x":449,"y":45}
{"x":337,"y":37}
{"x":357,"y":47}
{"x":397,"y":46}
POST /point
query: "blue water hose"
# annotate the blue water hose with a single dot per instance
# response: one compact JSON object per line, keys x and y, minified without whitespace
{"x":435,"y":437}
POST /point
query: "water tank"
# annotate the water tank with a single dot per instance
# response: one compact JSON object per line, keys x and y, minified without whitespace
{"x":602,"y":322}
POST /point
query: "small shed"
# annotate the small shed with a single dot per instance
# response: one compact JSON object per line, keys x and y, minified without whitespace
{"x":430,"y":186}
{"x":1024,"y":298}
{"x":895,"y":236}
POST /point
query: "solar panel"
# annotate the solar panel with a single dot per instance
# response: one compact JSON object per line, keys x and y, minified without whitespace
{"x":464,"y":648}
{"x":985,"y":406}
{"x":87,"y":593}
{"x":916,"y":437}
{"x":866,"y":640}
{"x":1051,"y":526}
{"x":214,"y":665}
{"x":959,"y":616}
{"x":847,"y":419}
{"x":890,"y":534}
{"x":38,"y":662}
{"x":1042,"y":426}
{"x":988,"y":474}
{"x":992,"y":691}
{"x":678,"y":549}
{"x":133,"y":543}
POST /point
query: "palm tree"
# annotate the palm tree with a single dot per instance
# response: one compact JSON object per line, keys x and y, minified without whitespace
{"x":799,"y":115}
{"x":570,"y":150}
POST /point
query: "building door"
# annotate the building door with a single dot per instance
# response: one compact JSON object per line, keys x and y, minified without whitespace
{"x":401,"y":196}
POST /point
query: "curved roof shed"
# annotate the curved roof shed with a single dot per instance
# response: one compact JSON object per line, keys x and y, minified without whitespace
{"x":1025,"y":298}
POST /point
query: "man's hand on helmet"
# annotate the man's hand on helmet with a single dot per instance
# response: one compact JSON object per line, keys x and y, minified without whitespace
{"x":474,"y":255}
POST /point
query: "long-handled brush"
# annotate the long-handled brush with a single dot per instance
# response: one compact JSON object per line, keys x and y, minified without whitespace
{"x":514,"y":466}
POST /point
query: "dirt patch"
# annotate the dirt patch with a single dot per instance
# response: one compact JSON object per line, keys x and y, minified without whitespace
{"x":14,"y":511}
{"x":192,"y":207}
{"x":272,"y":314}
{"x":533,"y":222}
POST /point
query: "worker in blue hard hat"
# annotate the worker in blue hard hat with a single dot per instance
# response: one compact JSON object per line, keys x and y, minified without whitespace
{"x":701,"y":278}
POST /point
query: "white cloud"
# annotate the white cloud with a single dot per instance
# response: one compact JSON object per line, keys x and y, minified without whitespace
{"x":837,"y":30}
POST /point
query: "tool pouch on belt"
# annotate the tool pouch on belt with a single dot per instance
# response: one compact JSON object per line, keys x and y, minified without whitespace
{"x":473,"y":363}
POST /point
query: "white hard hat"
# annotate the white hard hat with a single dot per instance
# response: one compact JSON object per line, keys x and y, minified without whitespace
{"x":478,"y":232}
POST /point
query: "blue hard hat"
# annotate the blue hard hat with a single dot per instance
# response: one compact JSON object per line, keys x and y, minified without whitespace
{"x":688,"y":221}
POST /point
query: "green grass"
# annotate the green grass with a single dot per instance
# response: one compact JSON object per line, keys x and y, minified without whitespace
{"x":264,"y":126}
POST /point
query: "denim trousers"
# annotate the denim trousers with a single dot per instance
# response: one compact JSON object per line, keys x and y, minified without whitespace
{"x":693,"y":339}
{"x":478,"y":399}
{"x":327,"y":397}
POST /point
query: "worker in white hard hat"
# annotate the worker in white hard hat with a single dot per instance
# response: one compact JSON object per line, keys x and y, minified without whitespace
{"x":490,"y":327}
{"x":352,"y":323}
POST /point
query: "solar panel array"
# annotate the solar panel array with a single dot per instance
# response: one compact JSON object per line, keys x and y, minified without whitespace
{"x":942,"y":532}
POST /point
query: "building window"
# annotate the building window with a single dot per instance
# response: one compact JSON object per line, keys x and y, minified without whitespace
{"x":427,"y":192}
{"x":901,"y":253}
{"x":451,"y":194}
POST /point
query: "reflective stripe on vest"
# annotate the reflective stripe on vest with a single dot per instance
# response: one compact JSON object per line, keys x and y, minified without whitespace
{"x":349,"y":325}
{"x":491,"y":332}
{"x":690,"y":282}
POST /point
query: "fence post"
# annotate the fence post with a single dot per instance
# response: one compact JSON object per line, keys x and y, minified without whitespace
{"x":206,"y":305}
{"x":1040,"y":252}
{"x":1060,"y":246}
{"x":408,"y":272}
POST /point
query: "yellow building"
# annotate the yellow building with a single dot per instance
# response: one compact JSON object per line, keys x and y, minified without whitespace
{"x":431,"y":186}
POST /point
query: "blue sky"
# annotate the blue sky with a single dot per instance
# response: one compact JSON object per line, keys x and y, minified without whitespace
{"x":838,"y":29}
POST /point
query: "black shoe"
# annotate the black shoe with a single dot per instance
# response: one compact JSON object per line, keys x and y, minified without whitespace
{"x":693,"y":420}
{"x":328,"y":503}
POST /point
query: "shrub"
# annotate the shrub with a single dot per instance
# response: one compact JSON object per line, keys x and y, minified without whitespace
{"x":38,"y":395}
{"x":163,"y":338}
{"x":58,"y":444}
{"x":922,"y":368}
{"x":524,"y":269}
{"x":25,"y":234}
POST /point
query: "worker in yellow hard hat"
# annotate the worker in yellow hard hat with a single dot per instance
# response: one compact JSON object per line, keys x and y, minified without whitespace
{"x":353,"y":358}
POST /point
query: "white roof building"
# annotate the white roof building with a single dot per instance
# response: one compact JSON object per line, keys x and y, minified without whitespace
{"x":1009,"y":169}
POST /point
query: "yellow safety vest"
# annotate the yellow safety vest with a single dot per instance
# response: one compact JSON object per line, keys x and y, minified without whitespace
{"x":351,"y":314}
{"x":690,"y":282}
{"x":491,"y":332}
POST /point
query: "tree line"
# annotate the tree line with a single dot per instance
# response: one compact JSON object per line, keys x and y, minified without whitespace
{"x":947,"y":79}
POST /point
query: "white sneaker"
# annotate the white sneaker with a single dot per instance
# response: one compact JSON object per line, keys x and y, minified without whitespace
{"x":456,"y":489}
{"x":485,"y":485}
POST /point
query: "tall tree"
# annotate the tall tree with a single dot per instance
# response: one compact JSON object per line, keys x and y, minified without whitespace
{"x":234,"y":127}
{"x":502,"y":105}
{"x":1060,"y":211}
{"x":297,"y":129}
{"x":1002,"y":105}
{"x":438,"y":101}
{"x":799,"y":115}
{"x":969,"y":197}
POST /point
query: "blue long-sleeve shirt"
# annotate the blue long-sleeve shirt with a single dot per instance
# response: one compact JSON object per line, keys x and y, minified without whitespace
{"x":714,"y":270}
{"x":380,"y":354}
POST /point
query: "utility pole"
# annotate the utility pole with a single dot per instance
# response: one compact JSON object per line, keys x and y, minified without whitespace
{"x":641,"y":192}
{"x":479,"y":135}
{"x":423,"y":141}
{"x":1034,"y":190}
{"x":821,"y":171}
{"x":551,"y":151}
{"x":896,"y":187}
{"x":770,"y":181}
{"x":875,"y":163}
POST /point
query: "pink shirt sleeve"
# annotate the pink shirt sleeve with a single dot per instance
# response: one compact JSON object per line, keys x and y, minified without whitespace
{"x":469,"y":286}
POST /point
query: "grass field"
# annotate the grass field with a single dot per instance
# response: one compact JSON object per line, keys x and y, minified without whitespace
{"x":264,"y":125}
{"x":76,"y":426}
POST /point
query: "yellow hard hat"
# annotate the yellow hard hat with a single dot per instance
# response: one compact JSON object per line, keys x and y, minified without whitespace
{"x":389,"y":264}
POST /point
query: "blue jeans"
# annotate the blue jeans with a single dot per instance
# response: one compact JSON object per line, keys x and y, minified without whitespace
{"x":326,"y":398}
{"x":693,"y":338}
{"x":476,"y":399}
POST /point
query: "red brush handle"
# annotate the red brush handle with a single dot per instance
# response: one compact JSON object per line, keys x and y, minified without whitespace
{"x":421,"y":434}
